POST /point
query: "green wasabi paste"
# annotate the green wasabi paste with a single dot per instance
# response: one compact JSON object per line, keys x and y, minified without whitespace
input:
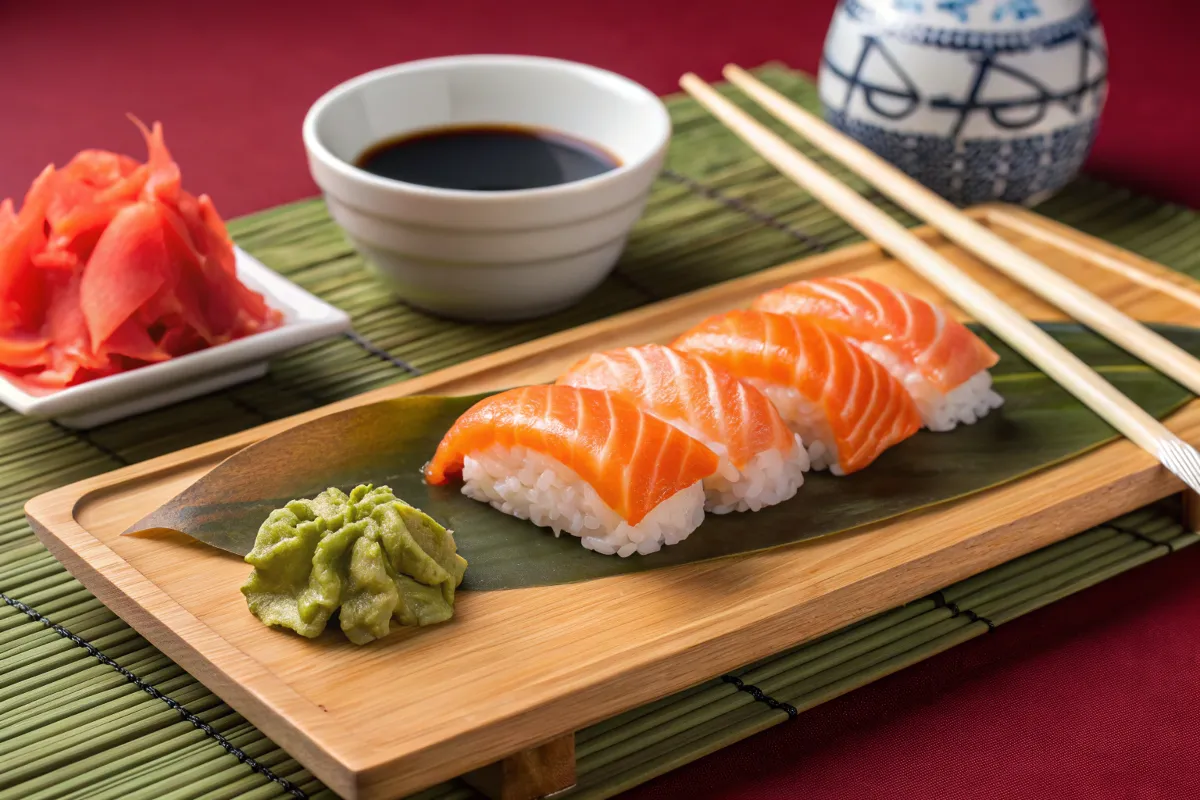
{"x":368,"y":556}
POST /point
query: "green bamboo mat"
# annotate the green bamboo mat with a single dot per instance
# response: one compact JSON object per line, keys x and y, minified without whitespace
{"x":89,"y":709}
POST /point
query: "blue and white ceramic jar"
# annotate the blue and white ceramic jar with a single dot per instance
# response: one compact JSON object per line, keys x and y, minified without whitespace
{"x":977,"y":99}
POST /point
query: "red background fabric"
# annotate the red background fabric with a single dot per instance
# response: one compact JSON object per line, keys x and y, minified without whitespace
{"x":231,"y":80}
{"x":1096,"y":696}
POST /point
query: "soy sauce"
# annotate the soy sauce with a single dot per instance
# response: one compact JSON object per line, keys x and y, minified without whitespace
{"x":487,"y":158}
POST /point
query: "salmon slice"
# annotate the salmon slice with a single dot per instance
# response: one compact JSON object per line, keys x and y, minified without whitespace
{"x":827,"y":389}
{"x":761,"y":461}
{"x":918,"y":335}
{"x":632,"y":459}
{"x":680,"y":389}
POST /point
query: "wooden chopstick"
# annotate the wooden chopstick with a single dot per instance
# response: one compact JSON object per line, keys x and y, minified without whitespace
{"x":1063,"y":366}
{"x":1159,"y":283}
{"x":1049,"y":284}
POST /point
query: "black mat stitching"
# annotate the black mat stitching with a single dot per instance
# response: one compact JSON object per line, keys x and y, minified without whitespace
{"x":379,"y":352}
{"x":636,"y":285}
{"x":176,"y":706}
{"x":940,"y":601}
{"x":761,"y":696}
{"x":742,"y":207}
{"x":84,"y":437}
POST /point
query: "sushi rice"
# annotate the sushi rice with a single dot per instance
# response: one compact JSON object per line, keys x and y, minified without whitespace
{"x":533,"y":486}
{"x":770,"y":477}
{"x":965,"y":404}
{"x":808,"y":421}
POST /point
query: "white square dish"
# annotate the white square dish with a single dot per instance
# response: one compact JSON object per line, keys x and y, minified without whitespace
{"x":306,"y":319}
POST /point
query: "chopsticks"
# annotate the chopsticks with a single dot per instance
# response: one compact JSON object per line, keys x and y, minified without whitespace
{"x":1063,"y":366}
{"x":1049,"y":284}
{"x":1159,"y":283}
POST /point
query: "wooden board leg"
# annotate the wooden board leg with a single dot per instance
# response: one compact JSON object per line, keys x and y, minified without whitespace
{"x":1191,"y":512}
{"x":530,"y":774}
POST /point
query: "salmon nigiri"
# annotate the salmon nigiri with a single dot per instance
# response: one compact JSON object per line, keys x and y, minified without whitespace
{"x":762,"y":462}
{"x":942,"y":364}
{"x":844,"y":405}
{"x":580,"y":460}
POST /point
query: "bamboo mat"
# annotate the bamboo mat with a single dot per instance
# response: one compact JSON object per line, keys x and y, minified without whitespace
{"x":89,"y":709}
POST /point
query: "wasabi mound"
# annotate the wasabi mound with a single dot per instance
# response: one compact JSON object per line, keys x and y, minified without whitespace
{"x":368,"y":556}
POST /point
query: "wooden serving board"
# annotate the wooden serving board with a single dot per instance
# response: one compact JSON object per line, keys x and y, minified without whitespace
{"x":517,"y":672}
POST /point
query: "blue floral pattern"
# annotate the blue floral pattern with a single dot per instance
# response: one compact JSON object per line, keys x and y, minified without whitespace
{"x":1019,"y":10}
{"x":960,"y":9}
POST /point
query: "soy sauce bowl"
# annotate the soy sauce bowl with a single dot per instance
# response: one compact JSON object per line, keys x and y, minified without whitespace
{"x":488,"y":255}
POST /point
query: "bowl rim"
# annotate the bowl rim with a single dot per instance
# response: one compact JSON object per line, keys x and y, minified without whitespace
{"x":317,"y":149}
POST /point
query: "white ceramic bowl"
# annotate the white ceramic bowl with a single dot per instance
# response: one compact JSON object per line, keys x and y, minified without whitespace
{"x":488,"y":255}
{"x":306,"y":319}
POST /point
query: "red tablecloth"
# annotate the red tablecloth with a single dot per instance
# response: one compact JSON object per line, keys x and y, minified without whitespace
{"x":231,"y":80}
{"x":1097,"y":696}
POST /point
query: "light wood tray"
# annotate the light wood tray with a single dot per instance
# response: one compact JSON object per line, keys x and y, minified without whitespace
{"x":517,"y":672}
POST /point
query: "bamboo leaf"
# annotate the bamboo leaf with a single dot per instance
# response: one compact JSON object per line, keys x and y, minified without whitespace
{"x":387,"y":443}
